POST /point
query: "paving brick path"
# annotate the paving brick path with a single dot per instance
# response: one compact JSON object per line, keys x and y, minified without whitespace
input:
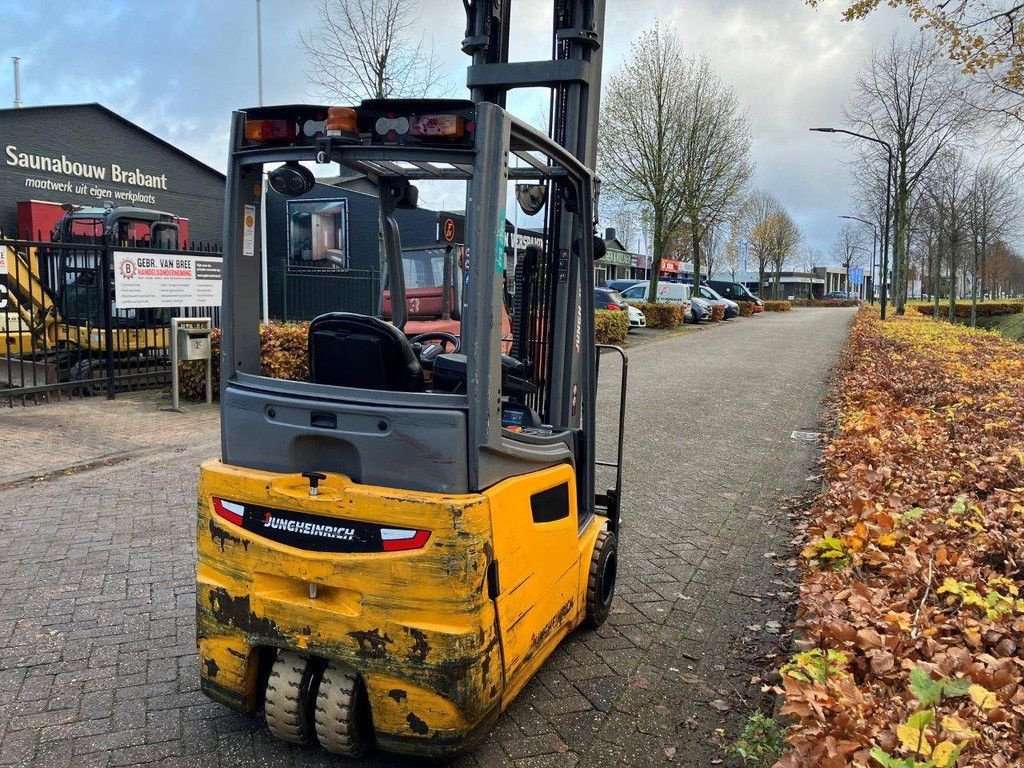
{"x":97,"y":646}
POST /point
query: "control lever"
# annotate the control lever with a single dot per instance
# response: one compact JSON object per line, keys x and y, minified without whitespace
{"x":314,"y":481}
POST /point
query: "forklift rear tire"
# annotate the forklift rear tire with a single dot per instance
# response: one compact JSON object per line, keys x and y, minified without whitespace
{"x":289,"y":700}
{"x":601,"y":580}
{"x":343,"y":723}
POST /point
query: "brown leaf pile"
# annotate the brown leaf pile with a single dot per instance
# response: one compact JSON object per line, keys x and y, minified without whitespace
{"x":914,"y":550}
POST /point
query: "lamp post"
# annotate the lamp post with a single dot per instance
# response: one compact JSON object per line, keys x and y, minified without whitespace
{"x":889,"y":203}
{"x":874,"y":248}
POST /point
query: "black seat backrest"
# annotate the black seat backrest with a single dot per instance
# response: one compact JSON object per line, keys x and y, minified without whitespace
{"x":349,"y":350}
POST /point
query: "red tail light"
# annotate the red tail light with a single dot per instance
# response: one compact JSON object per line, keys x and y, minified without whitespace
{"x":229,"y":510}
{"x":269,"y":130}
{"x":614,"y":307}
{"x":402,"y":539}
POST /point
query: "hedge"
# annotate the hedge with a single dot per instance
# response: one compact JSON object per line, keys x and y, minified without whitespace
{"x":610,"y":327}
{"x":746,"y":308}
{"x":777,"y":306}
{"x":662,"y":315}
{"x":283,"y":354}
{"x":825,"y":302}
{"x":758,"y":309}
{"x":985,"y":309}
{"x":717,"y":313}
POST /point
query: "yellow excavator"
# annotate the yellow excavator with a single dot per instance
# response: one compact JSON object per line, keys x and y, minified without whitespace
{"x":52,"y":297}
{"x":390,"y":547}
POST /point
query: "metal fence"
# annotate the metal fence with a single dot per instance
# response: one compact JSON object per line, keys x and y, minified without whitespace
{"x":61,"y":331}
{"x":310,"y":293}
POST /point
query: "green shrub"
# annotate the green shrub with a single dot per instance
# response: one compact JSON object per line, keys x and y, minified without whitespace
{"x":985,"y":308}
{"x":283,"y":355}
{"x":662,"y":315}
{"x":777,"y":306}
{"x":610,"y":327}
{"x":746,"y":308}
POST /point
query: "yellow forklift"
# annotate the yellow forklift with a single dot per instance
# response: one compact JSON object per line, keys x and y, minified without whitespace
{"x":389,"y":550}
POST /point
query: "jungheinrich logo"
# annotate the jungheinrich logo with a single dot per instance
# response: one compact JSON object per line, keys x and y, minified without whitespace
{"x":307,"y":528}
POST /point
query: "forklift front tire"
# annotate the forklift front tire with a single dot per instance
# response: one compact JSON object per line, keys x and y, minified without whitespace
{"x":289,"y":698}
{"x":601,"y":580}
{"x":343,"y":722}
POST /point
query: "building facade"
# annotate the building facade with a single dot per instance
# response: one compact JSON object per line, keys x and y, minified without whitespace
{"x":87,"y":155}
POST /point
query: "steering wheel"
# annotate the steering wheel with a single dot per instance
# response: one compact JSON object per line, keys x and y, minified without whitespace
{"x":438,"y":341}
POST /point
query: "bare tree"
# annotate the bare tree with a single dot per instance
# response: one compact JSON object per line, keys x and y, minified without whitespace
{"x":371,"y":49}
{"x":950,"y":189}
{"x":848,"y":248}
{"x":716,"y":164}
{"x":757,"y":216}
{"x":640,"y":146}
{"x":993,"y":209}
{"x":913,"y":98}
{"x":672,"y":139}
{"x":784,"y":238}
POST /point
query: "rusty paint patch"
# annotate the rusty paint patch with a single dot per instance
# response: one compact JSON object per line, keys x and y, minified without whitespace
{"x":398,"y":695}
{"x":416,"y":725}
{"x":372,"y":643}
{"x":556,"y":621}
{"x":420,"y":648}
{"x":236,"y":611}
{"x":221,"y":536}
{"x":211,"y":667}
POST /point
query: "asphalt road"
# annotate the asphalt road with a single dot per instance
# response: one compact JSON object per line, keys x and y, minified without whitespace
{"x":97,"y":644}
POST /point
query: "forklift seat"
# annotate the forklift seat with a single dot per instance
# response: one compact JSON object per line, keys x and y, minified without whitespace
{"x":350,"y":350}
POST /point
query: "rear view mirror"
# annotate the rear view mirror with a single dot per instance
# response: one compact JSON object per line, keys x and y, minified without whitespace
{"x":397,"y":192}
{"x":291,"y":179}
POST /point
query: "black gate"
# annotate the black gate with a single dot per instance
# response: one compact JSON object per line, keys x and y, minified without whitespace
{"x":62,"y":332}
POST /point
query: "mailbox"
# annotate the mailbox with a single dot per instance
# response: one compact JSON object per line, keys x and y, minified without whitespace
{"x":193,"y":343}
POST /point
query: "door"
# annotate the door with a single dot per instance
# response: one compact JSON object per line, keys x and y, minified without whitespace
{"x":536,"y":548}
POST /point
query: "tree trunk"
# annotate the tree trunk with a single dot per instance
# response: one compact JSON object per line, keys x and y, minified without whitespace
{"x":695,"y":245}
{"x":952,"y":281}
{"x":658,"y":235}
{"x":760,"y":279}
{"x":900,"y":264}
{"x":974,"y":287}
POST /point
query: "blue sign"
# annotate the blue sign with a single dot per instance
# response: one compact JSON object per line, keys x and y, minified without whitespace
{"x":857,"y":276}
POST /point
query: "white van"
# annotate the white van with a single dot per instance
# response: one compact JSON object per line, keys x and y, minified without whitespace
{"x":668,"y":293}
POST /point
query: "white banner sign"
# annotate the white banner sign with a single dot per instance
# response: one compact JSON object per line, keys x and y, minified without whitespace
{"x":152,"y":280}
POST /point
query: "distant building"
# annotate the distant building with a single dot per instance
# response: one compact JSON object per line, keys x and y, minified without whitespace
{"x":87,"y":155}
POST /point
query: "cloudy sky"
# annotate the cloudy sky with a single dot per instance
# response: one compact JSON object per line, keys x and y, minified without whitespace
{"x":179,"y":68}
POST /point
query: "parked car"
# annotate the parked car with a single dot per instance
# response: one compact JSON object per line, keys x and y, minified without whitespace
{"x":621,"y":284}
{"x":733,"y":291}
{"x":700,"y":309}
{"x":668,"y":293}
{"x":637,"y":319}
{"x":606,"y":298}
{"x":841,"y":296}
{"x":732,"y":309}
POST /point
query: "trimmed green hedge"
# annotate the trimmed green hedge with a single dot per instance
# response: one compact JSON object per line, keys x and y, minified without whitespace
{"x":662,"y":314}
{"x":610,"y":327}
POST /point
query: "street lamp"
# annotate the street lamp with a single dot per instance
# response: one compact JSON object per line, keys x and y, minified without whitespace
{"x":889,"y":203}
{"x":874,"y":248}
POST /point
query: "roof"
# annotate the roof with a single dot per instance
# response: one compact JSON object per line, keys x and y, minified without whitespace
{"x":123,"y":120}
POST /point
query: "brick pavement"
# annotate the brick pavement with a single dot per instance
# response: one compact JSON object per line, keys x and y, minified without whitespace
{"x":97,"y":647}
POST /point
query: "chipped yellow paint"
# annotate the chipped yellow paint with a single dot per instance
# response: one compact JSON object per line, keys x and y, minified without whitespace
{"x":417,"y":625}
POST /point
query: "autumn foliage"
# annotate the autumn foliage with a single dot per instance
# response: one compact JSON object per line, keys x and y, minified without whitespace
{"x":910,"y":613}
{"x":283,"y":355}
{"x":610,"y":327}
{"x":984,"y":308}
{"x":662,"y":314}
{"x":777,"y":306}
